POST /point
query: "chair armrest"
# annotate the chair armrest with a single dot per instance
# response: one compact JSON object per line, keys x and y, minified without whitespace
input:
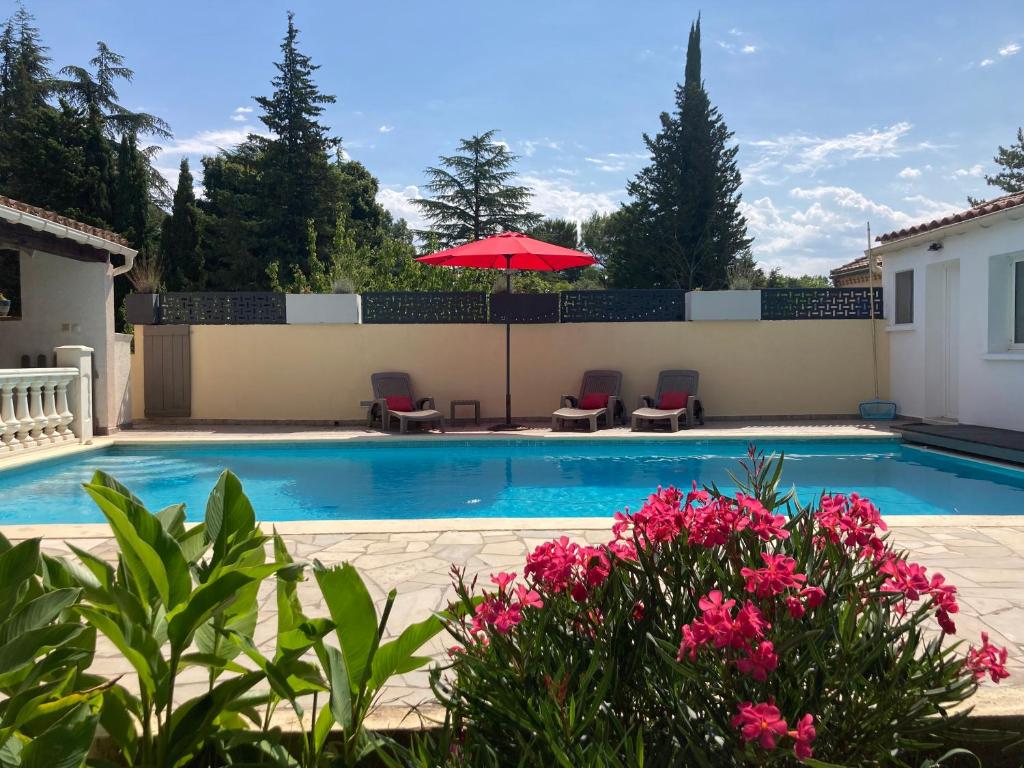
{"x":645,"y":401}
{"x":569,"y":401}
{"x":382,"y":404}
{"x":423,"y":401}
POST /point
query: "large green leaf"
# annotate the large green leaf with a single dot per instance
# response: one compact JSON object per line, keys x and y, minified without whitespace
{"x":333,"y":662}
{"x":151,"y":554}
{"x":396,"y":657}
{"x":39,"y":612}
{"x":355,"y":619}
{"x":192,"y":721}
{"x":143,"y":664}
{"x":65,"y":744}
{"x":228,"y":514}
{"x":28,"y":646}
{"x":17,"y":564}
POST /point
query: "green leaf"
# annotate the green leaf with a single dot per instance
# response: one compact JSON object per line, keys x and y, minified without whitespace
{"x":65,"y":744}
{"x":139,"y":661}
{"x":396,"y":657}
{"x":28,"y":646}
{"x":228,"y":514}
{"x":39,"y":612}
{"x":355,"y":619}
{"x":17,"y":564}
{"x":338,"y":677}
{"x":150,"y":553}
{"x":192,"y":721}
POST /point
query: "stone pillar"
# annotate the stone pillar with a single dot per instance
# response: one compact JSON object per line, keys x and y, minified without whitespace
{"x":80,"y":389}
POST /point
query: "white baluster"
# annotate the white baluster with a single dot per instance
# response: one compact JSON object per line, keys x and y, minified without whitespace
{"x":21,"y":413}
{"x":35,"y":405}
{"x":64,"y":415}
{"x":50,"y":409}
{"x":8,"y":422}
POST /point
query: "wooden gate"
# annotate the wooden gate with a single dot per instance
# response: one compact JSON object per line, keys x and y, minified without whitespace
{"x":168,"y":370}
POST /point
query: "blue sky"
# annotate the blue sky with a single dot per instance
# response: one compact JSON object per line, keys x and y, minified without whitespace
{"x":844,"y":112}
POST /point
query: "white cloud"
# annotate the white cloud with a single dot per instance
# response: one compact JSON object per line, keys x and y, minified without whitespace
{"x":748,"y":49}
{"x":206,"y":142}
{"x":567,"y":171}
{"x":975,"y":171}
{"x":801,"y":153}
{"x":398,"y":199}
{"x":1010,"y":50}
{"x":987,"y":62}
{"x":530,"y":146}
{"x":556,"y":198}
{"x":241,"y":114}
{"x":815,"y":229}
{"x":614,"y":162}
{"x":735,"y":31}
{"x":910,"y":173}
{"x":386,"y":128}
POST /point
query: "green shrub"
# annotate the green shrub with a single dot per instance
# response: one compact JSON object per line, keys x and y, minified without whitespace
{"x":714,"y":631}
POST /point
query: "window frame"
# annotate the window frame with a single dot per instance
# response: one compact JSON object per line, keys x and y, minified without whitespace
{"x":896,"y":299}
{"x":1016,"y":263}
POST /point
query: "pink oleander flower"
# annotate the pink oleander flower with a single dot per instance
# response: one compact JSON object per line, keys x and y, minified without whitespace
{"x":551,"y":564}
{"x":759,"y":661}
{"x":987,"y":660}
{"x":803,"y":737}
{"x":761,"y":723}
{"x":776,"y":577}
{"x":717,"y":625}
{"x":795,"y":606}
{"x":852,"y":521}
{"x":766,"y":525}
{"x":502,"y":580}
{"x":814,"y":596}
{"x":638,"y":610}
{"x":908,"y":579}
{"x":506,"y":619}
{"x":528,"y":598}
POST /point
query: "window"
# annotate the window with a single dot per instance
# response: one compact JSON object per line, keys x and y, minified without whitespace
{"x":904,"y":297}
{"x":1017,"y":304}
{"x":10,"y":282}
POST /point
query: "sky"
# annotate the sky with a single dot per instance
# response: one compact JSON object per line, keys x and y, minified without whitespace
{"x":844,"y":112}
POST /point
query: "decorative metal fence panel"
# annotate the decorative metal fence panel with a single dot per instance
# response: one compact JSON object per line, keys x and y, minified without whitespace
{"x":424,"y":307}
{"x":524,"y":308}
{"x":818,"y":304}
{"x":623,"y":306}
{"x":222,"y":309}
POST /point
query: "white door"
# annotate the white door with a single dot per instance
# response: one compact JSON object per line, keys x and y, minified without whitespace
{"x":951,"y":342}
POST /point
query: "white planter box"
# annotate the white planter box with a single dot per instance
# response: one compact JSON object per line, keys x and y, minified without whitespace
{"x":723,"y":305}
{"x":321,"y":308}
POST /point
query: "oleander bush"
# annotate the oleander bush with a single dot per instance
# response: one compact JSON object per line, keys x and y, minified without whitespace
{"x":714,"y":630}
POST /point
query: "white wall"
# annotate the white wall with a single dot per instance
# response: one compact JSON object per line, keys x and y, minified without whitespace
{"x":991,"y":378}
{"x":723,"y":305}
{"x":64,"y":301}
{"x":316,"y":308}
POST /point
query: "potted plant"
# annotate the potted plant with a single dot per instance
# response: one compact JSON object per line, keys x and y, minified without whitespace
{"x":146,"y":277}
{"x":5,"y":305}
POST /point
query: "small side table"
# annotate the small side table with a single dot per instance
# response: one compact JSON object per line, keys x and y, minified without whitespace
{"x":476,"y":409}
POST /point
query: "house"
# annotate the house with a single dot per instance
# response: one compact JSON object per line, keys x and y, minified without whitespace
{"x":854,"y":274}
{"x":59,"y":274}
{"x":954,"y":300}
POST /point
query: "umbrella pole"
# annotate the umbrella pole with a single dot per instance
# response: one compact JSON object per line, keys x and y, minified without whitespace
{"x":507,"y":425}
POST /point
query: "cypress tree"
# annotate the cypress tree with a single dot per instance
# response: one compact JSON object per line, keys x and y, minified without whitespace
{"x":682,"y":227}
{"x":131,"y":193}
{"x":297,"y":183}
{"x":472,"y":194}
{"x":179,"y":243}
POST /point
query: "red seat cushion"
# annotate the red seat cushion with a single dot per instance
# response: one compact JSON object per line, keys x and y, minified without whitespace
{"x":671,"y":401}
{"x":399,"y":403}
{"x":594,"y":400}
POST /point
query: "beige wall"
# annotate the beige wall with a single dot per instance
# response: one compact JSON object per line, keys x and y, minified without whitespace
{"x":321,"y":372}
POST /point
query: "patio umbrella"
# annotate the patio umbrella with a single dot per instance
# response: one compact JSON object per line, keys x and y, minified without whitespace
{"x":509,"y":251}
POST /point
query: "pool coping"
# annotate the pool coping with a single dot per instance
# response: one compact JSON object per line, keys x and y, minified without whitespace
{"x":548,"y":525}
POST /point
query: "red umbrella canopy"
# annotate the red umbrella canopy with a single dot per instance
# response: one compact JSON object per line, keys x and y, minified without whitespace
{"x":509,"y":249}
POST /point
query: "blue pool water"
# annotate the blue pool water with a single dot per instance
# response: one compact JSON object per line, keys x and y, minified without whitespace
{"x":497,"y":478}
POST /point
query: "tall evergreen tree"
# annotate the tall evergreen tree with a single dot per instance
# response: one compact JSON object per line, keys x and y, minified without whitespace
{"x":472,"y":195}
{"x":181,"y":258}
{"x":1011,"y":160}
{"x":682,"y":227}
{"x":131,"y":193}
{"x":556,"y":231}
{"x":297,"y":184}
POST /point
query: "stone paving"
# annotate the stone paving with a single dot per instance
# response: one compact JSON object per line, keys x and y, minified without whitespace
{"x":986,"y":562}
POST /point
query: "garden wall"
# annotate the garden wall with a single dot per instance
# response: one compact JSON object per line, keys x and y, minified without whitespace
{"x":321,"y":372}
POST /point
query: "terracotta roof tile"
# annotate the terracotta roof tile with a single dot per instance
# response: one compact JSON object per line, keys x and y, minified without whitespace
{"x":56,"y":218}
{"x":860,"y":264}
{"x":991,"y":206}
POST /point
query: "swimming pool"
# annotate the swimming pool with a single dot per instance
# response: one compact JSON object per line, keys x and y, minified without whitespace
{"x":411,"y":479}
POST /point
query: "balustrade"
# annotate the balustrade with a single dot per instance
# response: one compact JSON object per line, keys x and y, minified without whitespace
{"x":34,"y":408}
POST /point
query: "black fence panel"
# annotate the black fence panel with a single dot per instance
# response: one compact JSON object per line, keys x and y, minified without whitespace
{"x":818,"y":304}
{"x":524,"y":308}
{"x":424,"y":307}
{"x":222,"y":309}
{"x":623,"y":306}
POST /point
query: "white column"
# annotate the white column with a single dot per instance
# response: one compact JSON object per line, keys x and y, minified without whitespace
{"x":80,"y":389}
{"x":50,"y":408}
{"x":21,"y":413}
{"x":8,"y":421}
{"x":35,"y":409}
{"x":64,"y":417}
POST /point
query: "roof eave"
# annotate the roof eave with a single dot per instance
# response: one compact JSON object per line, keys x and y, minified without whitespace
{"x":1012,"y":212}
{"x":39,"y":224}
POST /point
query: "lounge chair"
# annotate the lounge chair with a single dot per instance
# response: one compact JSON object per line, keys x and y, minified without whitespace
{"x":393,"y":399}
{"x":599,"y":396}
{"x":675,"y":400}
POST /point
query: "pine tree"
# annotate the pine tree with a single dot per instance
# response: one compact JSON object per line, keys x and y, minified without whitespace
{"x":561,"y":232}
{"x":298,"y":185}
{"x":1011,"y":159}
{"x":472,"y":194}
{"x":682,"y":227}
{"x":181,"y":258}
